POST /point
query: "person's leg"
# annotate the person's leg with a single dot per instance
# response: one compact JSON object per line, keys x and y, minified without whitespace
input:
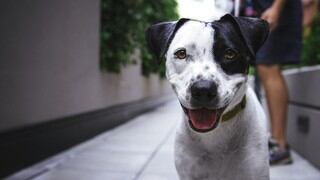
{"x":277,"y":100}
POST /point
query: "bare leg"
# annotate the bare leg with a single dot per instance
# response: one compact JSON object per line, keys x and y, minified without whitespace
{"x":277,"y":100}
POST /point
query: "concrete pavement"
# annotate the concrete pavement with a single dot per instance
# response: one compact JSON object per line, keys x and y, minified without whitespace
{"x":141,"y":149}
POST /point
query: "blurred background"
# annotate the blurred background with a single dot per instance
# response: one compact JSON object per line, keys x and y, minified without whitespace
{"x":71,"y":70}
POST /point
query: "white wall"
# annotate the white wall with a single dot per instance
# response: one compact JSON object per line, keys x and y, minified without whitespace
{"x":49,"y":52}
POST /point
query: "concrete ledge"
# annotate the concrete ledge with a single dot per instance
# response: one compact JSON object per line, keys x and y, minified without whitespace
{"x":24,"y":147}
{"x":303,"y":85}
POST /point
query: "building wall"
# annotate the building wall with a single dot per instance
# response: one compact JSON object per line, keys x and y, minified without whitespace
{"x":49,"y":52}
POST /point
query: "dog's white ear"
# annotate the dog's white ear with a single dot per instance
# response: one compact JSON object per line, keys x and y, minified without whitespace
{"x":254,"y":31}
{"x":159,"y":36}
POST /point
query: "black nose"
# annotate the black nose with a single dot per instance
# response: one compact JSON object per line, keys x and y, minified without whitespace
{"x":204,"y":91}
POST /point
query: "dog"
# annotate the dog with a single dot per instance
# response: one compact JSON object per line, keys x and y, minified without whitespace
{"x":223,"y":135}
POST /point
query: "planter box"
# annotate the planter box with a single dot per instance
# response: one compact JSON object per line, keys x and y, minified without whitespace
{"x":304,"y":112}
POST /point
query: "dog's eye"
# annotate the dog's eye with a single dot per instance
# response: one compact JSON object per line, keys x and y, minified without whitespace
{"x":230,"y":54}
{"x":180,"y":54}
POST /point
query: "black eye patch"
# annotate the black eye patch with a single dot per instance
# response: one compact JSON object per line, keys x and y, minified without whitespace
{"x":246,"y":35}
{"x":229,"y":51}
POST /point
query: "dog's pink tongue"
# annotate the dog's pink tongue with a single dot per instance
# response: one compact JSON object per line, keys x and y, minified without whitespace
{"x":203,"y":119}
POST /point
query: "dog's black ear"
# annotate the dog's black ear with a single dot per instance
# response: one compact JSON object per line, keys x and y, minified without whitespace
{"x":160,"y":35}
{"x":254,"y":31}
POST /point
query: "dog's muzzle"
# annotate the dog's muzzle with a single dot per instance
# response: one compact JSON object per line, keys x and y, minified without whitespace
{"x":203,"y":118}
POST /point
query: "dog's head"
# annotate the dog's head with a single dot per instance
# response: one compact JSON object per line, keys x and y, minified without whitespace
{"x":207,"y":63}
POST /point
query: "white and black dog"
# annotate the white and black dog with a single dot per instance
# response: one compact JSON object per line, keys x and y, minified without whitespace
{"x":224,"y":133}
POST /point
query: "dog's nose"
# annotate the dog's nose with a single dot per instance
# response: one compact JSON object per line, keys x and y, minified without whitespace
{"x":204,"y":91}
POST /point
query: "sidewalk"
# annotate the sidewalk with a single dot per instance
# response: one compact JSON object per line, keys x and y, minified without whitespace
{"x":141,"y":149}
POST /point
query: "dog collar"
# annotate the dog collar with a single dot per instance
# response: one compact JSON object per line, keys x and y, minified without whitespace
{"x":233,"y":112}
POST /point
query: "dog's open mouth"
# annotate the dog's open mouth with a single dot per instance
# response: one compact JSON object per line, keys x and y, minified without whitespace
{"x":203,"y":120}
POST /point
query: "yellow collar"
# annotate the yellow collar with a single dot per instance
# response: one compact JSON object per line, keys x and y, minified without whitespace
{"x":233,"y":112}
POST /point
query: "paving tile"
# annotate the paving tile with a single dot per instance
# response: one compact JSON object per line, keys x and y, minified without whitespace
{"x":158,"y":176}
{"x":70,"y":174}
{"x":162,"y":163}
{"x":116,"y":161}
{"x":300,"y":169}
{"x":143,"y":146}
{"x":169,"y":145}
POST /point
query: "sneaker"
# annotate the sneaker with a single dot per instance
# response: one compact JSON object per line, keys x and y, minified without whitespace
{"x":272,"y":143}
{"x":277,"y":155}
